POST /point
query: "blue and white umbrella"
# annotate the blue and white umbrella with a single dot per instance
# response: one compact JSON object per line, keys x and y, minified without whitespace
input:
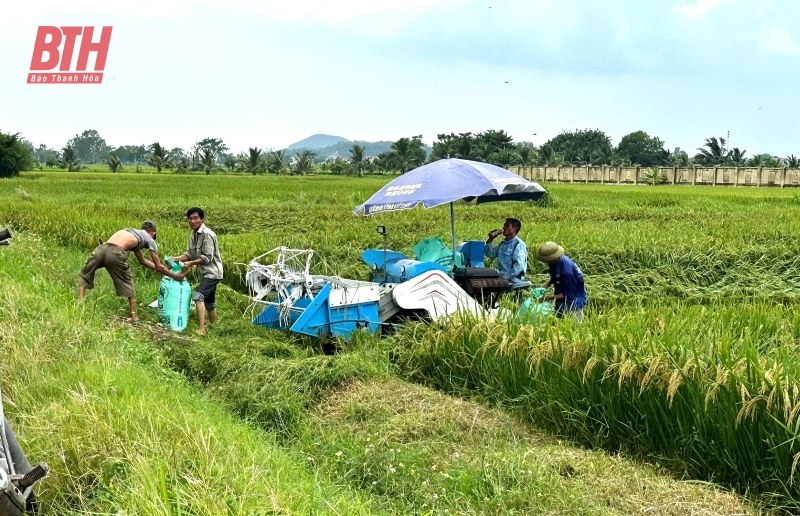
{"x":449,"y":180}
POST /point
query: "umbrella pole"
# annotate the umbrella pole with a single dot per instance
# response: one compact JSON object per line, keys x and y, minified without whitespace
{"x":453,"y":232}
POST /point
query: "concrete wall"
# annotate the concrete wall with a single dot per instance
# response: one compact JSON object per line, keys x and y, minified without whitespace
{"x":711,"y":176}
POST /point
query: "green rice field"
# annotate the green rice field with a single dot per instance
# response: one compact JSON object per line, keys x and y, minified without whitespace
{"x":679,"y":394}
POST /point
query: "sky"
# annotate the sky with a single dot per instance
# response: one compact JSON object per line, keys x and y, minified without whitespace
{"x":267,"y":74}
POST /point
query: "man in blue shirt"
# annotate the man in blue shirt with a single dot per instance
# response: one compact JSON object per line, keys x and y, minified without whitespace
{"x":566,"y":279}
{"x":511,"y":253}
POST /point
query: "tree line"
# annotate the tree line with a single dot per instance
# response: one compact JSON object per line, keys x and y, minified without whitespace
{"x":578,"y":147}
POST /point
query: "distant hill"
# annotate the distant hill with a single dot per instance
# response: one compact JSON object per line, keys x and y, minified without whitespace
{"x":317,"y":141}
{"x":342,"y":149}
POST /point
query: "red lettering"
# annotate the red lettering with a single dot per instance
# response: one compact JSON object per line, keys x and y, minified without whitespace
{"x":42,"y":45}
{"x":101,"y":47}
{"x":70,"y":34}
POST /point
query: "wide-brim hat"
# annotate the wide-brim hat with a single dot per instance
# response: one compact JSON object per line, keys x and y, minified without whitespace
{"x":549,"y":252}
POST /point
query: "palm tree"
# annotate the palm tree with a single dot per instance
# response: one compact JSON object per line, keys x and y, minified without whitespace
{"x":370,"y":165}
{"x":159,"y":157}
{"x":736,"y":156}
{"x":230,"y":162}
{"x":714,"y":152}
{"x":464,"y":148}
{"x":585,"y":157}
{"x":485,"y":151}
{"x":495,"y":139}
{"x":276,"y":161}
{"x":305,"y":162}
{"x":208,"y":161}
{"x":384,"y":162}
{"x":653,"y":176}
{"x":764,"y":160}
{"x":357,"y":159}
{"x":680,"y":159}
{"x":69,"y":159}
{"x":407,"y":153}
{"x":792,"y":161}
{"x":184,"y":164}
{"x":252,"y":162}
{"x":505,"y":157}
{"x":526,"y":155}
{"x":549,"y":157}
{"x":461,"y":146}
{"x":114,"y":163}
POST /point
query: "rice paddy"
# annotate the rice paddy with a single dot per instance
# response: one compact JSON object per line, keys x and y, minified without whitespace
{"x":686,"y":363}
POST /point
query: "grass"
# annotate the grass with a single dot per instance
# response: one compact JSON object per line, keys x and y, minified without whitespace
{"x":723,"y":408}
{"x":698,"y":232}
{"x":676,"y":276}
{"x":418,"y":448}
{"x":122,"y":432}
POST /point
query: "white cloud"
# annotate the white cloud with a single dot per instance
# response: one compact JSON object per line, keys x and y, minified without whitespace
{"x":27,"y":15}
{"x":701,"y":8}
{"x":777,"y":41}
{"x":335,"y":11}
{"x":293,"y":10}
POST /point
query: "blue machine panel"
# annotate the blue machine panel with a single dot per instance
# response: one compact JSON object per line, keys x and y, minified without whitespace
{"x":399,"y":267}
{"x":473,"y":252}
{"x":318,"y":319}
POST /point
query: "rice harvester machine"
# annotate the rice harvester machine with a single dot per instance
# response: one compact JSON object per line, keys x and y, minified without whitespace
{"x":330,"y":306}
{"x":438,"y":282}
{"x":318,"y":305}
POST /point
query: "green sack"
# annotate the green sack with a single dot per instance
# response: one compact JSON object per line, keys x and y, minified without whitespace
{"x":532,"y":310}
{"x":433,"y":250}
{"x":174,"y":298}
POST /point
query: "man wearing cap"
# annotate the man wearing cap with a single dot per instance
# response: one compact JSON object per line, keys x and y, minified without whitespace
{"x":566,"y":279}
{"x":203,"y":252}
{"x":511,"y":253}
{"x":113,"y":257}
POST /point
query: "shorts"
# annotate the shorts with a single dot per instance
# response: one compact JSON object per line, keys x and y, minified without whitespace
{"x":114,"y":259}
{"x":206,"y":292}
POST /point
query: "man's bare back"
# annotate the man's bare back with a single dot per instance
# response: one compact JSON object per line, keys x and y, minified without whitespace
{"x":125,"y":239}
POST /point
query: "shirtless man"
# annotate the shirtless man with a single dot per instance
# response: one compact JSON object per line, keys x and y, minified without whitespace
{"x":113,"y":256}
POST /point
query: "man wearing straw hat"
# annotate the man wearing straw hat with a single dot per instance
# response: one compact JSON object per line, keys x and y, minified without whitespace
{"x":566,"y":279}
